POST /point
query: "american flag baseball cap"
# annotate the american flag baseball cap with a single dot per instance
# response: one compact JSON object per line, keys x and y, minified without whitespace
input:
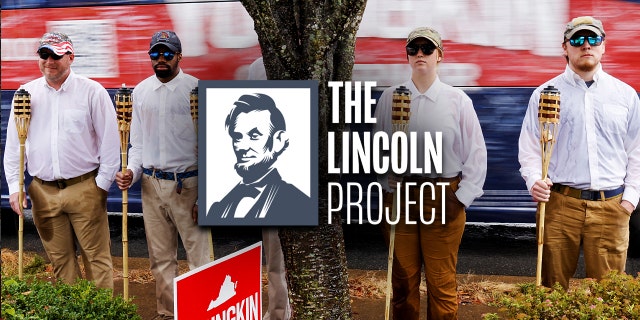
{"x":57,"y":42}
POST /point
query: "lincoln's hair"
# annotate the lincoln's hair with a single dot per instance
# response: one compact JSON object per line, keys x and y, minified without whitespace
{"x":256,"y":102}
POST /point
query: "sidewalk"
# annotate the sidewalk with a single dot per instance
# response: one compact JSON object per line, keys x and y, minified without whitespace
{"x":366,"y":257}
{"x":363,"y":307}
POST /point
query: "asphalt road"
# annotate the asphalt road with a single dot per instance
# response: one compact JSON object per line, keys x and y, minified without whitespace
{"x":485,"y":250}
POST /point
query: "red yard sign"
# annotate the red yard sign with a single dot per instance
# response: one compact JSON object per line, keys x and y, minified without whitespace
{"x":227,"y":288}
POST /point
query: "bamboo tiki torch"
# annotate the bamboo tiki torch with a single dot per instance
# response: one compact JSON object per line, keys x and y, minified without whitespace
{"x":549,"y":119}
{"x":22,"y":116}
{"x":400,"y":114}
{"x":124,"y":108}
{"x":193,"y":100}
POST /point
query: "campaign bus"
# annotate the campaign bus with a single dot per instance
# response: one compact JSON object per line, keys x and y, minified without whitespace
{"x":497,"y":51}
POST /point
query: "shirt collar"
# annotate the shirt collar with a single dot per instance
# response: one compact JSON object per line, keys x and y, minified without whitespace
{"x":268,"y":178}
{"x":431,"y":93}
{"x":171,"y":85}
{"x":575,"y":80}
{"x":65,"y":84}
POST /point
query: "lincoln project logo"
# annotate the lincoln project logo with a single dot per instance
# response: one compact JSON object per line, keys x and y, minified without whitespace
{"x":260,"y":153}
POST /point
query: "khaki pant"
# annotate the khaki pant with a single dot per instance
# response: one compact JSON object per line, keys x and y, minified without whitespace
{"x":279,"y":308}
{"x":602,"y":227}
{"x":434,"y":246}
{"x":167,"y":214}
{"x":77,"y":212}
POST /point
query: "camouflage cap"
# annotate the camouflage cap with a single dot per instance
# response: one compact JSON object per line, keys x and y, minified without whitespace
{"x":583,"y":23}
{"x":429,"y":34}
{"x":57,"y":42}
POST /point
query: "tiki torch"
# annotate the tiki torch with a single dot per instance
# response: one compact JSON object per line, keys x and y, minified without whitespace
{"x":124,"y":108}
{"x":549,"y":119}
{"x":193,"y":101}
{"x":22,"y":116}
{"x":400,"y":114}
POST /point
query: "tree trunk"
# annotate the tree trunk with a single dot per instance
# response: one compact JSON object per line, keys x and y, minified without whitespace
{"x":303,"y":40}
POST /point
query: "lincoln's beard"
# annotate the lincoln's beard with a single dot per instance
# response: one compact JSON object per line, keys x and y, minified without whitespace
{"x":253,"y":172}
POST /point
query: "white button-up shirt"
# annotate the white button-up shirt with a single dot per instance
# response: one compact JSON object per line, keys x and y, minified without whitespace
{"x":72,"y":131}
{"x":598,"y":142}
{"x":443,"y":108}
{"x":162,"y":131}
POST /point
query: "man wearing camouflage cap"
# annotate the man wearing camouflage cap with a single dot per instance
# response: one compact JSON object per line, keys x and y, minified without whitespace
{"x":435,"y":107}
{"x":593,"y":183}
{"x":72,"y":153}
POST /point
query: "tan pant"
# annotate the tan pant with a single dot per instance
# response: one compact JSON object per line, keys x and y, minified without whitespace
{"x":279,"y":308}
{"x":601,"y":226}
{"x":77,"y":212}
{"x":434,"y":246}
{"x":167,"y":214}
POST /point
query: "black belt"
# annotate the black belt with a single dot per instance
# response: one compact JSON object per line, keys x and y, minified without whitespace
{"x":179,"y":177}
{"x":592,"y":195}
{"x":63,"y":183}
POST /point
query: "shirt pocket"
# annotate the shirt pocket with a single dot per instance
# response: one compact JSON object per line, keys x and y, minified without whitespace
{"x":183,"y":127}
{"x":75,"y":120}
{"x":612,"y":118}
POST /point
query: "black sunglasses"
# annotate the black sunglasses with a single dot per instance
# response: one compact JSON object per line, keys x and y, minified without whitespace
{"x":168,"y":55}
{"x":578,"y":41}
{"x":427,"y":49}
{"x":44,"y":55}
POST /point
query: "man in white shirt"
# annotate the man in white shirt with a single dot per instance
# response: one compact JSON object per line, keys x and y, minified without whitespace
{"x":436,"y":107}
{"x":593,"y":182}
{"x":164,"y":153}
{"x":72,"y":153}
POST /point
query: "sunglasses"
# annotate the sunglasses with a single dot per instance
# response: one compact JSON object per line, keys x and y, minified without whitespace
{"x":426,"y":48}
{"x":44,"y":55}
{"x":578,"y":41}
{"x":168,"y":55}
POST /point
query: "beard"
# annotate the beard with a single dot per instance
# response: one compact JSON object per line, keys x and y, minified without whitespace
{"x":253,"y":172}
{"x":587,"y":65}
{"x":163,"y":73}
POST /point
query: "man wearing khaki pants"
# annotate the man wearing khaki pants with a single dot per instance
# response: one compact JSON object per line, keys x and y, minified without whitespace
{"x":73,"y":153}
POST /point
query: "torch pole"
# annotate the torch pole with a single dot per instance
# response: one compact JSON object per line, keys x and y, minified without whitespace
{"x":400,"y":114}
{"x":124,"y":108}
{"x":549,"y":119}
{"x":392,"y":244}
{"x":22,"y":117}
{"x":125,"y":223}
{"x":21,"y":215}
{"x":193,"y":99}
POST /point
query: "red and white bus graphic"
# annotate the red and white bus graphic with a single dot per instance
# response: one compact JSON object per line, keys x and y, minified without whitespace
{"x":487,"y":43}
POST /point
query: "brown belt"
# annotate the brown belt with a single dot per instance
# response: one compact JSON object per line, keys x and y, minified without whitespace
{"x":593,"y":195}
{"x":63,"y":183}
